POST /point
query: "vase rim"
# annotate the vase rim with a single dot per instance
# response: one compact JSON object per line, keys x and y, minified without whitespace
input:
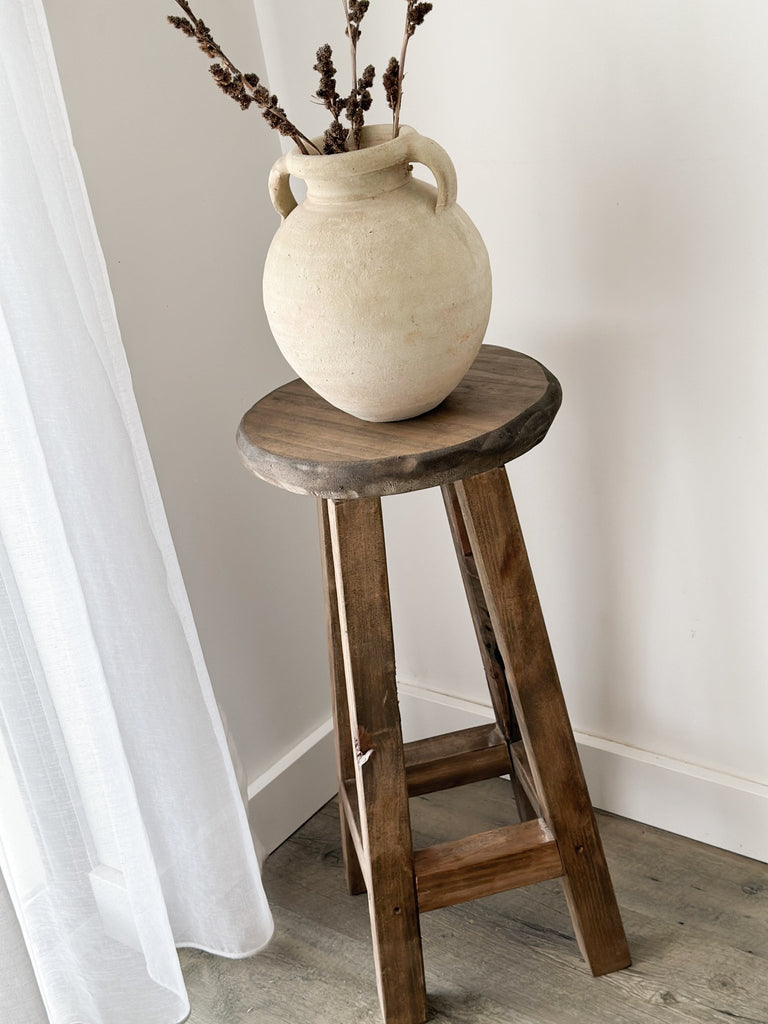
{"x":372,"y":155}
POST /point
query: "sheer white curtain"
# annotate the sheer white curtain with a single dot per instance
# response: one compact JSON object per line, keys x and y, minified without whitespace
{"x":122,"y":832}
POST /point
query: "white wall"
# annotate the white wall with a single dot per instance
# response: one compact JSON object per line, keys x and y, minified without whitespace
{"x":614,"y":155}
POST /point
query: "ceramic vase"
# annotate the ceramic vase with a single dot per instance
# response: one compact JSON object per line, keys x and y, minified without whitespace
{"x":377,"y":286}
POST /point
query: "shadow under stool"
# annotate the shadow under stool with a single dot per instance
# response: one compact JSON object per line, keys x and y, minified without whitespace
{"x":502,"y":408}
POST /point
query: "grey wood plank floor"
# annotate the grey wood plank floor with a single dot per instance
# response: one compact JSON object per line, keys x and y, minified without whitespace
{"x":696,"y":918}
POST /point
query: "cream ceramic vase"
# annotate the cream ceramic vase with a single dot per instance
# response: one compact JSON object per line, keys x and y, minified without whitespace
{"x":377,"y":287}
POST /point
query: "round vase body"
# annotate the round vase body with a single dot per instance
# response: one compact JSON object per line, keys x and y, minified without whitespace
{"x":377,"y":287}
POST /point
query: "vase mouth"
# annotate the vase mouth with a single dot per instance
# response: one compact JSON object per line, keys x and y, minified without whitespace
{"x":377,"y":150}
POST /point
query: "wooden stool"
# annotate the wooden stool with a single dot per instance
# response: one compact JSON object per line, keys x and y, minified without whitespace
{"x":504,"y":406}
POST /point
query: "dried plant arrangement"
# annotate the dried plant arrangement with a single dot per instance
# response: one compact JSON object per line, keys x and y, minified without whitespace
{"x":247,"y":88}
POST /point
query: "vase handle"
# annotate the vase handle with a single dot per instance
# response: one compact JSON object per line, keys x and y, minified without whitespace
{"x":425,"y":151}
{"x":280,"y":193}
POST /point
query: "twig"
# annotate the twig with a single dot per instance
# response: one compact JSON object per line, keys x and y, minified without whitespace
{"x":244,"y":88}
{"x":353,"y":36}
{"x":359,"y":97}
{"x":415,"y":14}
{"x":335,"y":138}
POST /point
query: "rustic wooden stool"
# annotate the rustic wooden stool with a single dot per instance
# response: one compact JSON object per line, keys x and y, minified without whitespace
{"x":503,"y":407}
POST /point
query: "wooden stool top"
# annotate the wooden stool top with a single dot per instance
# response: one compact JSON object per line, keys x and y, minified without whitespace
{"x":503,"y":407}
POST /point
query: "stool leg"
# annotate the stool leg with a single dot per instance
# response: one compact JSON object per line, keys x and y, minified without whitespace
{"x":345,"y":751}
{"x":493,"y":663}
{"x":357,"y":536}
{"x":510,"y":593}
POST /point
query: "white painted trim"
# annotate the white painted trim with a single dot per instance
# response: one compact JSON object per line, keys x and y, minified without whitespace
{"x":691,"y":800}
{"x":712,"y":807}
{"x":282,"y":798}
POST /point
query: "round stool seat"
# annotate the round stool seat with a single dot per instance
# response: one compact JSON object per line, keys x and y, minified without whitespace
{"x":504,"y":406}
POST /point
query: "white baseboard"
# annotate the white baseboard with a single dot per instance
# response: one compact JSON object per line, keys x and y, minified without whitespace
{"x":711,"y":807}
{"x":286,"y":795}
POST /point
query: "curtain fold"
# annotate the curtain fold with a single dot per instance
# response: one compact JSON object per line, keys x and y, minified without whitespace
{"x":122,"y":831}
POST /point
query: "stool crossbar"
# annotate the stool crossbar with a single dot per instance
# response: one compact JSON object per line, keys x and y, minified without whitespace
{"x":504,"y":406}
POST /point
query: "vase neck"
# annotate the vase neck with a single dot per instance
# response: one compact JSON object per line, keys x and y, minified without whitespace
{"x":346,"y":188}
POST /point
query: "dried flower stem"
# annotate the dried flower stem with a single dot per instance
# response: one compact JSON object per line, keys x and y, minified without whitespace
{"x":359,"y":103}
{"x":400,"y":76}
{"x":359,"y":99}
{"x":415,"y":14}
{"x":335,"y":137}
{"x":352,"y":43}
{"x":245,"y":88}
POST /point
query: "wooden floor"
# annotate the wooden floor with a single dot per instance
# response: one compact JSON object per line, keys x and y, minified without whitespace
{"x":696,"y":919}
